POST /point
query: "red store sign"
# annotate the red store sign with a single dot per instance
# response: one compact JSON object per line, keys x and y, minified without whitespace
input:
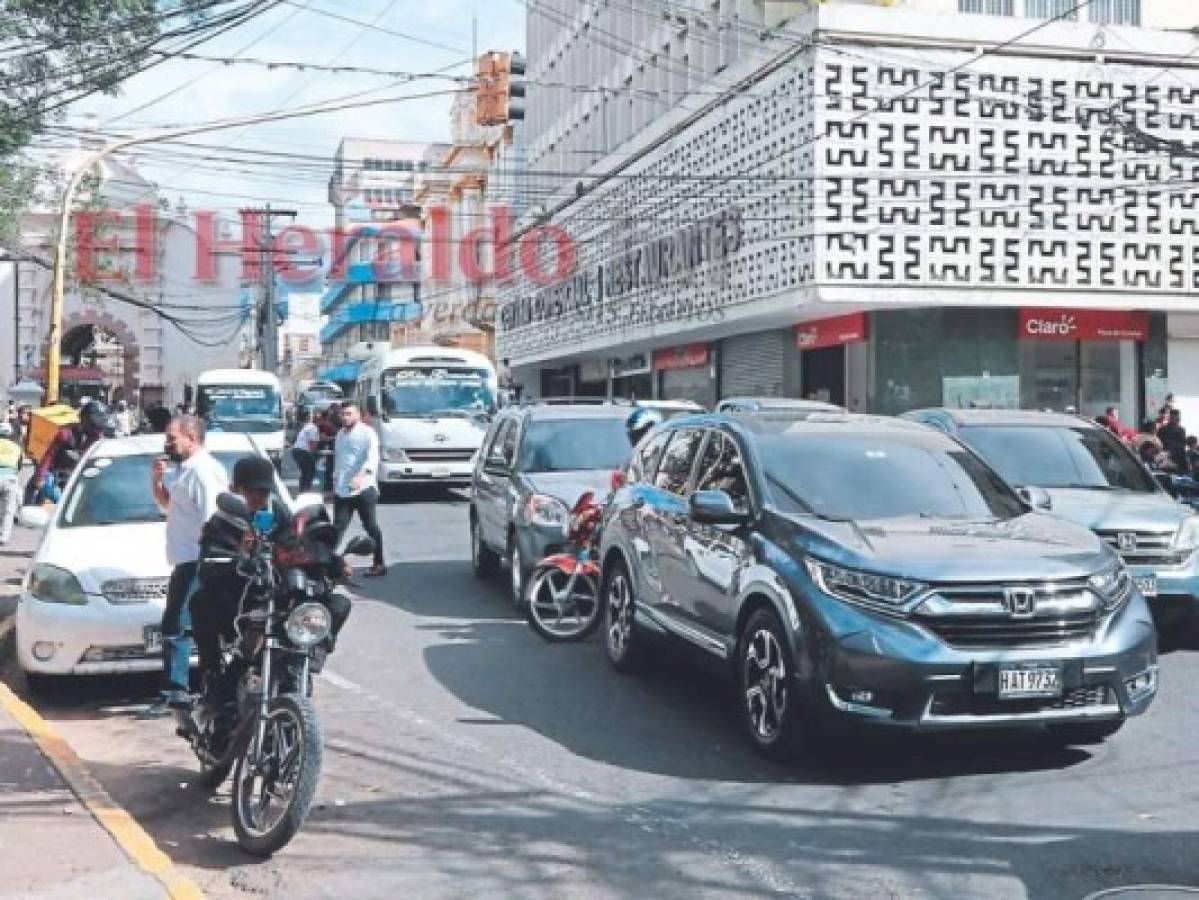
{"x":1048,"y":324}
{"x":831,"y":332}
{"x":691,"y":356}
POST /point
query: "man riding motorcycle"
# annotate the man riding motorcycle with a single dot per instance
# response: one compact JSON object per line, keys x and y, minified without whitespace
{"x":641,"y":422}
{"x":65,"y":451}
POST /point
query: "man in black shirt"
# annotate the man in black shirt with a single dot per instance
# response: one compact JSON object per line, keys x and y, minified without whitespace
{"x":1174,"y":441}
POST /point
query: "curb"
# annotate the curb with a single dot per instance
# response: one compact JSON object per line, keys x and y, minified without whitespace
{"x":123,"y":828}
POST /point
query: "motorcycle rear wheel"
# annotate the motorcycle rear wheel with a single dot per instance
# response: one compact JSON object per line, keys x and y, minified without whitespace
{"x":558,"y":618}
{"x":272,"y":799}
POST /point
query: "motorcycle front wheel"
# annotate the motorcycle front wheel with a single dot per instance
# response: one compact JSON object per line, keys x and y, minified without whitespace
{"x":273,"y":785}
{"x":556,"y":616}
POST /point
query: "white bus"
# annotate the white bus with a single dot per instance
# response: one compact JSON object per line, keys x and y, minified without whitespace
{"x":244,"y":401}
{"x":430,"y":406}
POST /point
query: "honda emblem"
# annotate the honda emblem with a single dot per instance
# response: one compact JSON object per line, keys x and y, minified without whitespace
{"x":1126,"y":541}
{"x":1020,"y":602}
{"x":440,"y":438}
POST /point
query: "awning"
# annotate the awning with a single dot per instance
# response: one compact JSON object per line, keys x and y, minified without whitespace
{"x":346,"y":371}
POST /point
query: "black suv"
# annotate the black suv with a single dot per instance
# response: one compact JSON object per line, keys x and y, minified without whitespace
{"x":535,"y":463}
{"x":869,"y":569}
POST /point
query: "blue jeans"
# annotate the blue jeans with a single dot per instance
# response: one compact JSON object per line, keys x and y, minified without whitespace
{"x":177,"y":628}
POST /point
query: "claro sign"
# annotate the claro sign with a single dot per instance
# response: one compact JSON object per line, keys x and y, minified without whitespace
{"x":1048,"y":324}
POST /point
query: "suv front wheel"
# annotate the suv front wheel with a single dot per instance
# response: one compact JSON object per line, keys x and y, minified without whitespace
{"x":622,"y":641}
{"x":767,"y":691}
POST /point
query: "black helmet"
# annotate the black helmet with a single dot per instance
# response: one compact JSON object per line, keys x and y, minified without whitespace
{"x":640,"y":422}
{"x":254,"y":472}
{"x":93,"y":416}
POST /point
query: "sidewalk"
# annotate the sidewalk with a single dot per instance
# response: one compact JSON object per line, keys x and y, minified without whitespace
{"x":51,"y":845}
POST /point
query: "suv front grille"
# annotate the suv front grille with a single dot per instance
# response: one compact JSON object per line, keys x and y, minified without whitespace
{"x":451,"y":455}
{"x":1087,"y":697}
{"x":1151,"y":548}
{"x":976,"y":616}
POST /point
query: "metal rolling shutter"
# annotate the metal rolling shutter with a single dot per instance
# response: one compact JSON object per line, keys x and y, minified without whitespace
{"x":754,"y":365}
{"x":689,"y":384}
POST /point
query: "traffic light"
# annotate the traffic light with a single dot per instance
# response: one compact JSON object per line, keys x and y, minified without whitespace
{"x":500,"y":88}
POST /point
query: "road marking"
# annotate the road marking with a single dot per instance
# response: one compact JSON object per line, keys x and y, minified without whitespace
{"x":337,"y":681}
{"x":130,"y":836}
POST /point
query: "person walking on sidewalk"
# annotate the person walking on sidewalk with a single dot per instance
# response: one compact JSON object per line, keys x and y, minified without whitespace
{"x":10,"y":487}
{"x":355,"y":480}
{"x":188,"y":497}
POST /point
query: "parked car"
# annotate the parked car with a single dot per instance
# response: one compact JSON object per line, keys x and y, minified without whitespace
{"x":92,"y":599}
{"x":776,"y":405}
{"x":537,"y":460}
{"x":868,"y":569}
{"x":1088,"y":476}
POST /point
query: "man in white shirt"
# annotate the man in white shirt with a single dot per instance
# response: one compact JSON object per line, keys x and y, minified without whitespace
{"x":304,"y":451}
{"x":188,"y":497}
{"x":356,"y":480}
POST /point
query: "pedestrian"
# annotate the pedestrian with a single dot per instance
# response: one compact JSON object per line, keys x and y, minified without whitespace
{"x":1114,"y":425}
{"x":122,"y":421}
{"x":1146,"y":444}
{"x":304,"y":451}
{"x":10,"y":487}
{"x":159,"y":417}
{"x":14,"y":421}
{"x":188,"y":497}
{"x":1174,"y":440}
{"x":355,"y":480}
{"x":329,"y":425}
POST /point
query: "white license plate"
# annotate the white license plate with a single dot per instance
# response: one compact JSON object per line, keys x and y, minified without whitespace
{"x":1146,"y":584}
{"x":1030,"y":681}
{"x":441,"y":471}
{"x":152,"y":637}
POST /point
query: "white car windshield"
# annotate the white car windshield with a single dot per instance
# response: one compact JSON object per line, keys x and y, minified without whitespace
{"x":115,"y":490}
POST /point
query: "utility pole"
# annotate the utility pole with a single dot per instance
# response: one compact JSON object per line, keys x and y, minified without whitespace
{"x":266,"y":325}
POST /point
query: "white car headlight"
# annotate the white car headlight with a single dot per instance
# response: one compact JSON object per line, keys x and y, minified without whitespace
{"x":549,"y":512}
{"x":308,"y":625}
{"x":394,"y":455}
{"x":52,"y":584}
{"x":1187,"y":536}
{"x":879,"y":592}
{"x":1113,"y":585}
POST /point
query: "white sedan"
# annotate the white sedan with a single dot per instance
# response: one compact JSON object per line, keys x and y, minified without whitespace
{"x":92,"y":600}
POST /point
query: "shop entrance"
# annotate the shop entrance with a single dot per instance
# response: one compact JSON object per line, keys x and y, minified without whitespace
{"x":1086,"y":376}
{"x":822,"y":374}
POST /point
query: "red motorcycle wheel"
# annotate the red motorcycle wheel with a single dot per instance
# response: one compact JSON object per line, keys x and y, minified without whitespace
{"x":556,"y":616}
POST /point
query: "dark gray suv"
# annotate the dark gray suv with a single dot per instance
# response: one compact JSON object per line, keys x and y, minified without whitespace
{"x":870,"y":569}
{"x":535,"y":463}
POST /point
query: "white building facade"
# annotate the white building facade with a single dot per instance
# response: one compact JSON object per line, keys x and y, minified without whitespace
{"x":172,"y":324}
{"x":888,"y":205}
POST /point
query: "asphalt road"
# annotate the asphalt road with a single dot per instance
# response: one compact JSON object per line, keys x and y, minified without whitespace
{"x":466,"y":758}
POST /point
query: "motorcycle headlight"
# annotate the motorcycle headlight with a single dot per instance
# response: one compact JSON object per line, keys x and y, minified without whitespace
{"x":882,"y":593}
{"x":52,"y":584}
{"x":1113,"y":585}
{"x":1187,"y":536}
{"x":394,"y":454}
{"x":549,"y":512}
{"x":308,"y":625}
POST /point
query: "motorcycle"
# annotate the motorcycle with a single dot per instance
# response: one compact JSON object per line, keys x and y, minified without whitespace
{"x":266,"y":731}
{"x":562,"y":597}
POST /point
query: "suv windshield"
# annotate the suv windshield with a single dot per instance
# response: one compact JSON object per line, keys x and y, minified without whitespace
{"x":417,"y":391}
{"x":1058,"y":457}
{"x":881,"y":476}
{"x":115,"y":490}
{"x":566,"y":445}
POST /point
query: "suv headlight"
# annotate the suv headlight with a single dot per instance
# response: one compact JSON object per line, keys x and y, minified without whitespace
{"x":394,"y":455}
{"x":882,"y":593}
{"x":549,"y":512}
{"x":52,"y":584}
{"x":1187,"y":537}
{"x":1113,"y":585}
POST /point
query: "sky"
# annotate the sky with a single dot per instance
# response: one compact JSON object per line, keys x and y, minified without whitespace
{"x":295,"y":31}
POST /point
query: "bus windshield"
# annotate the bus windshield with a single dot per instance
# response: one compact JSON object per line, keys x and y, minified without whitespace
{"x":249,"y":408}
{"x":443,"y":391}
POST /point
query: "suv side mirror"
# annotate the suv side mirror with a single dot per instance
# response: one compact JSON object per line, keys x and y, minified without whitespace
{"x":715,"y":508}
{"x":1036,"y":497}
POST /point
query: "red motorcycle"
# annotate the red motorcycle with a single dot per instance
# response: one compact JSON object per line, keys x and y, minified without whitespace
{"x":562,"y":599}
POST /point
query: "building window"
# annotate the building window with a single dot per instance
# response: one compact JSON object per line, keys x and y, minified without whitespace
{"x":1116,"y":12}
{"x":988,"y":7}
{"x":1051,"y":9}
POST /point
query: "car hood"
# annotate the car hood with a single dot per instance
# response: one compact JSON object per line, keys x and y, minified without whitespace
{"x":1118,"y":510}
{"x":1032,"y":546}
{"x":96,"y":554}
{"x":451,"y":432}
{"x":569,"y":486}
